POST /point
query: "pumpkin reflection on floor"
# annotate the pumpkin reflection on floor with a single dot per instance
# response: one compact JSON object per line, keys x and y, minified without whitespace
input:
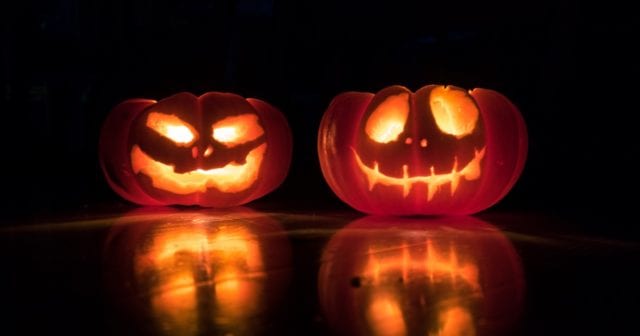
{"x":191,"y":273}
{"x":408,"y":276}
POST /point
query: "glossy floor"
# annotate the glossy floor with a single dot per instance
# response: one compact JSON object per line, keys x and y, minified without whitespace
{"x":245,"y":272}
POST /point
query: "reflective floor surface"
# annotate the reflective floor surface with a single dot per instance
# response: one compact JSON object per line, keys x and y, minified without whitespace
{"x":246,"y":272}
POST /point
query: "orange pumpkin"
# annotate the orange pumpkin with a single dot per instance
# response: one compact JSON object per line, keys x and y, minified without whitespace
{"x":400,"y":276}
{"x":192,"y":272}
{"x":440,"y":150}
{"x":216,"y":150}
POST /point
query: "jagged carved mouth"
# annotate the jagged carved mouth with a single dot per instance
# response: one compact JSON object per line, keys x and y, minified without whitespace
{"x":471,"y":171}
{"x":233,"y":177}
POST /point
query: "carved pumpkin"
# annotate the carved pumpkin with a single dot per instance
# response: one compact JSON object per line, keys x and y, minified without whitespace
{"x":216,"y":150}
{"x":440,"y":150}
{"x":448,"y":276}
{"x":189,"y":273}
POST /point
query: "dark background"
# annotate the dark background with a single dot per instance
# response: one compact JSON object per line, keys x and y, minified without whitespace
{"x":571,"y":67}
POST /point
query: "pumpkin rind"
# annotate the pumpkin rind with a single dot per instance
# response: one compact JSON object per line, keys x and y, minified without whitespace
{"x":168,"y":152}
{"x":458,"y":152}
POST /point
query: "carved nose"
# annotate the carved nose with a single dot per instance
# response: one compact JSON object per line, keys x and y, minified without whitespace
{"x":423,"y":142}
{"x":207,"y":152}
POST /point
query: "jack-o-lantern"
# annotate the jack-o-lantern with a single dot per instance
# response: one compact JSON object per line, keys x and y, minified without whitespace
{"x":401,"y":276}
{"x":440,"y":150}
{"x":192,"y":273}
{"x":216,"y":150}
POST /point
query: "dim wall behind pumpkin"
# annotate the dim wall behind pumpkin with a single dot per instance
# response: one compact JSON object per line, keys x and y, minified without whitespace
{"x":440,"y":150}
{"x":216,"y":150}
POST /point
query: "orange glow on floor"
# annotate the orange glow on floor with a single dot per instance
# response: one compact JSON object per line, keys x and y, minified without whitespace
{"x":385,"y":316}
{"x":434,"y":264}
{"x":176,"y":303}
{"x":471,"y":171}
{"x":231,"y":178}
{"x":191,"y":264}
{"x":236,"y":293}
{"x":456,"y":321}
{"x":407,"y":264}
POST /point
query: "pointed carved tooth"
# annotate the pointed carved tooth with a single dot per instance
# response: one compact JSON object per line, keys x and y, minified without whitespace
{"x":472,"y":170}
{"x":433,"y":170}
{"x":406,"y":184}
{"x":432,"y":188}
{"x":480,"y":154}
{"x":373,"y":178}
{"x":454,"y":176}
{"x":455,"y":179}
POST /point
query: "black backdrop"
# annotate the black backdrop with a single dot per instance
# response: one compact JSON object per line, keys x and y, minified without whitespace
{"x":570,"y":67}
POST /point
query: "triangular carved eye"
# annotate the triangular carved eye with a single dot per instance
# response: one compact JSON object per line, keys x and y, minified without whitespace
{"x":387,"y":121}
{"x":454,"y":110}
{"x":236,"y":130}
{"x":172,"y":128}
